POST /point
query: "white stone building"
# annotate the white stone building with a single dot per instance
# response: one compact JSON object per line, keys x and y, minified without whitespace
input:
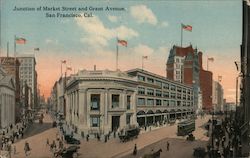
{"x":7,"y":100}
{"x":160,"y":99}
{"x":100,"y":101}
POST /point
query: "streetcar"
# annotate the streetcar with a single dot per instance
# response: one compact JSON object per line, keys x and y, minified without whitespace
{"x":185,"y":127}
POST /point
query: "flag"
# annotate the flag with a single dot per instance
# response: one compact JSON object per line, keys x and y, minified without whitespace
{"x":20,"y":40}
{"x":219,"y":78}
{"x":210,"y":59}
{"x":36,"y":49}
{"x":145,"y":57}
{"x":63,"y":61}
{"x":69,"y":68}
{"x":187,"y":27}
{"x":122,"y":42}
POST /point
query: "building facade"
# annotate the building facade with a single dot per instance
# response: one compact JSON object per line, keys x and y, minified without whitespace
{"x":11,"y":67}
{"x":27,"y":74}
{"x":161,"y":100}
{"x":218,"y":97}
{"x":100,"y":101}
{"x":7,"y":99}
{"x":185,"y":65}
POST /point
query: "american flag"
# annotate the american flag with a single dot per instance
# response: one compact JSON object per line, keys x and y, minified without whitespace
{"x":20,"y":40}
{"x":122,"y":42}
{"x":187,"y":27}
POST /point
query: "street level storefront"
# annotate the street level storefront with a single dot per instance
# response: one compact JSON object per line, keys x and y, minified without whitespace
{"x":100,"y":101}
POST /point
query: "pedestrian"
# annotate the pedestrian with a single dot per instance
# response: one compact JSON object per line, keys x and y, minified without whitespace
{"x":106,"y":137}
{"x":54,"y":144}
{"x":47,"y":142}
{"x":60,"y":144}
{"x":135,"y":150}
{"x":98,"y":137}
{"x":87,"y":137}
{"x":14,"y":149}
{"x":167,"y":146}
{"x":26,"y":148}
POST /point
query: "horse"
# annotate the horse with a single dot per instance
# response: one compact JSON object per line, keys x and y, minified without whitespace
{"x":156,"y":154}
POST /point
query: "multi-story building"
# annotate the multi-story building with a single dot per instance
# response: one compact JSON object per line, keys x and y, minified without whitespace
{"x":185,"y":65}
{"x":160,"y":99}
{"x":27,"y":73}
{"x":100,"y":101}
{"x":103,"y":101}
{"x":7,"y":99}
{"x":218,"y":97}
{"x":11,"y":67}
{"x":57,"y":99}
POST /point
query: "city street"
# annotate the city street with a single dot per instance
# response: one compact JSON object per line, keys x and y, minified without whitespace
{"x":38,"y":133}
{"x":36,"y":136}
{"x":113,"y":148}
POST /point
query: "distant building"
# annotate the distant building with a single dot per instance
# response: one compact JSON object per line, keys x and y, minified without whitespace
{"x":218,"y":95}
{"x":229,"y":106}
{"x":28,"y":74}
{"x":185,"y":65}
{"x":7,"y":101}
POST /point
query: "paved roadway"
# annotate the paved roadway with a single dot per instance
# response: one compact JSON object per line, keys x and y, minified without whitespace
{"x":113,"y":148}
{"x":38,"y":133}
{"x":36,"y":136}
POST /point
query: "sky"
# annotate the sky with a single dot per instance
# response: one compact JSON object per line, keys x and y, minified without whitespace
{"x":151,"y":28}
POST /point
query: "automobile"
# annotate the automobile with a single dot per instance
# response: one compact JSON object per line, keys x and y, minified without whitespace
{"x":67,"y":152}
{"x":71,"y":140}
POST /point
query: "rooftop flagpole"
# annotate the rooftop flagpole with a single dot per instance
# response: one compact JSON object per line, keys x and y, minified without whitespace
{"x":14,"y":45}
{"x":116,"y":53}
{"x":181,"y":33}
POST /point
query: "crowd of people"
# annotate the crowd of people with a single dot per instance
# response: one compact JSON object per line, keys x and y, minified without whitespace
{"x":226,"y":140}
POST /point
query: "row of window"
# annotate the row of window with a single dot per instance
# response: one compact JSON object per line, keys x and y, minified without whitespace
{"x":158,"y":93}
{"x":159,"y":102}
{"x":96,"y":98}
{"x":164,"y":85}
{"x":95,"y":120}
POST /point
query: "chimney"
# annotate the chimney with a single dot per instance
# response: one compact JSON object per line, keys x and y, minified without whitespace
{"x":94,"y":67}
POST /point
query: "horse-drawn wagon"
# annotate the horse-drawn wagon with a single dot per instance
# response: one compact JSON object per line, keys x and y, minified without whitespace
{"x":129,"y":133}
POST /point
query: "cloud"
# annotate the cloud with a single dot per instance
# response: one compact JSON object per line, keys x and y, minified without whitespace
{"x":51,"y":41}
{"x":97,"y":35}
{"x":142,"y":14}
{"x":164,"y":24}
{"x":113,"y":18}
{"x":143,"y":50}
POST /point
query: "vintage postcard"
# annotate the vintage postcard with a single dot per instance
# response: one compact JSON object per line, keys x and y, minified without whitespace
{"x":122,"y":79}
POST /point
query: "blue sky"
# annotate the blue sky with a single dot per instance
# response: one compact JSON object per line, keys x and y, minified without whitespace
{"x":150,"y":27}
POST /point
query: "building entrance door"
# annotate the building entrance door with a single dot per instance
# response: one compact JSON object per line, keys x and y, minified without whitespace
{"x":115,"y":122}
